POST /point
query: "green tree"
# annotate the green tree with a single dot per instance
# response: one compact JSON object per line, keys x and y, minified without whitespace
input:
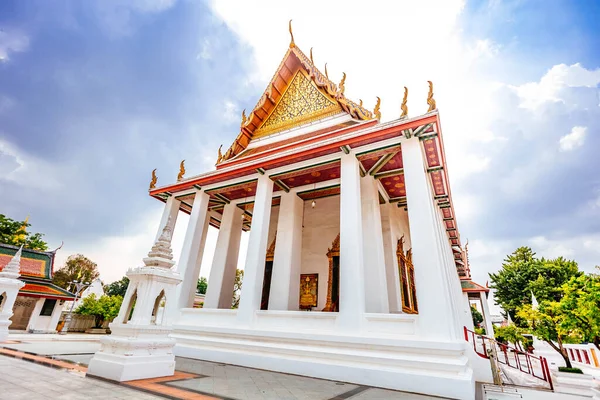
{"x":522,"y":274}
{"x":476,"y":315}
{"x":103,"y":308}
{"x":237,"y":288}
{"x":547,"y":322}
{"x":580,"y":308}
{"x":202,"y":285}
{"x":15,"y":233}
{"x":78,"y":267}
{"x":509,"y":334}
{"x":117,"y":288}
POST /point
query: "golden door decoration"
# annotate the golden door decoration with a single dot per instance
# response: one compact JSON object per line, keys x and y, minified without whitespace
{"x":309,"y":291}
{"x":334,"y":251}
{"x":407,"y":279}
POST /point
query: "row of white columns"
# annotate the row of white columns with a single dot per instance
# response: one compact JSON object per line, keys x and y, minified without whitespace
{"x":363,"y":267}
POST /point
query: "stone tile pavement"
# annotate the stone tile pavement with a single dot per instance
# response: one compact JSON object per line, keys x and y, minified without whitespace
{"x":20,"y":379}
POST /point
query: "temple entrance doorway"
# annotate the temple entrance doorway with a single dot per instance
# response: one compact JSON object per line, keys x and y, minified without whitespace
{"x":266,"y":287}
{"x":333,"y":283}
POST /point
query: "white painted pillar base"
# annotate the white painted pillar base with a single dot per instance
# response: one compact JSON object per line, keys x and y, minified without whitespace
{"x":352,"y":288}
{"x":222,"y":274}
{"x":285,"y":281}
{"x":435,"y":301}
{"x":171,"y":212}
{"x":192,"y":251}
{"x":376,"y":295}
{"x":254,"y":269}
{"x":391,"y":260}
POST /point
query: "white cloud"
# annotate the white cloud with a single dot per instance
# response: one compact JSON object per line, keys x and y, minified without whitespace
{"x":552,"y":85}
{"x":12,"y":42}
{"x":230,"y":112}
{"x":574,"y":139}
{"x":26,"y":170}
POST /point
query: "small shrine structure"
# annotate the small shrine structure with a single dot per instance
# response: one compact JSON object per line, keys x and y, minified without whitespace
{"x":354,"y":262}
{"x":39,"y":302}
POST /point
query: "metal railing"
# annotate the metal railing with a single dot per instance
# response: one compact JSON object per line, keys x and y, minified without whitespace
{"x":511,"y":356}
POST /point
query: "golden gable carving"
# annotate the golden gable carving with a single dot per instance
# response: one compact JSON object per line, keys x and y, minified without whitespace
{"x":302,"y":102}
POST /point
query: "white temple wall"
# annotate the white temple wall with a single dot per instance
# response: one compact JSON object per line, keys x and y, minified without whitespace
{"x":44,"y":324}
{"x":321,"y":226}
{"x":273,"y":224}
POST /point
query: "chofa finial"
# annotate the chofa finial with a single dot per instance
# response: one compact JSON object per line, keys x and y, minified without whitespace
{"x":219,"y":155}
{"x":326,"y":74}
{"x":430,"y":99}
{"x":376,"y":110}
{"x":404,"y":107}
{"x":244,"y":117}
{"x":292,"y":44}
{"x":181,"y":171}
{"x":311,"y":58}
{"x":342,"y":82}
{"x":360,"y":102}
{"x":153,"y":180}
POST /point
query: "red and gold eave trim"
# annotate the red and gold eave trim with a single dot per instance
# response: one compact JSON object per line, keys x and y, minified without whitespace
{"x":252,"y":164}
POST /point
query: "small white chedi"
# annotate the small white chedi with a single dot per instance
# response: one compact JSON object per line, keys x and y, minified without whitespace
{"x":9,"y":289}
{"x":139,"y":346}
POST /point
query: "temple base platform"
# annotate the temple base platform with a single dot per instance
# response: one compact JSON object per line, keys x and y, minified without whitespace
{"x":134,"y":352}
{"x":386,"y":352}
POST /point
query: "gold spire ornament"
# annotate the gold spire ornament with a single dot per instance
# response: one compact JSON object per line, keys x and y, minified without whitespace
{"x":244,"y":117}
{"x":360,"y":102}
{"x":326,"y":74}
{"x":292,"y":44}
{"x":430,"y":99}
{"x":342,"y":83}
{"x":219,"y":155}
{"x":376,"y":110}
{"x":153,"y":180}
{"x":311,"y":58}
{"x":181,"y":171}
{"x":404,"y":107}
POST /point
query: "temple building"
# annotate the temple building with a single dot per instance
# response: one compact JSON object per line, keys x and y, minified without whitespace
{"x":39,"y":302}
{"x":355,"y":269}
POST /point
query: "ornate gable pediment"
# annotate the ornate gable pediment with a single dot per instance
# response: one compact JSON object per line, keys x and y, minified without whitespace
{"x":301,"y":102}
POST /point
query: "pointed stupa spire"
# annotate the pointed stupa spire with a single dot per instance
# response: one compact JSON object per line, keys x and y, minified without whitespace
{"x":534,"y":302}
{"x":13,"y":268}
{"x":161,"y":254}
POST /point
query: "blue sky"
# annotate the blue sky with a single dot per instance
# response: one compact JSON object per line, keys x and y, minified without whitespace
{"x":95,"y":94}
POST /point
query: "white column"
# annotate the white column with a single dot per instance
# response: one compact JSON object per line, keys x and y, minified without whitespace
{"x":391,"y":260}
{"x":468,"y":317}
{"x":285,"y":281}
{"x":435,"y":301}
{"x":487,"y":318}
{"x":376,"y":296}
{"x":254,"y":270}
{"x":222,"y":274}
{"x":352,"y":289}
{"x":192,"y":251}
{"x":171,"y":210}
{"x":35,"y":315}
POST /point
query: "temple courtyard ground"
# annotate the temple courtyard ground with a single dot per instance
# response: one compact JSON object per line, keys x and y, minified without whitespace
{"x":53,"y":367}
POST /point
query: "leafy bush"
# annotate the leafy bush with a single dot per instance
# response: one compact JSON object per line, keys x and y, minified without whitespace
{"x":103,"y":308}
{"x":571,"y":370}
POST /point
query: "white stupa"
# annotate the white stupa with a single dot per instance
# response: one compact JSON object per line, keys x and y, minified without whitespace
{"x":9,"y":289}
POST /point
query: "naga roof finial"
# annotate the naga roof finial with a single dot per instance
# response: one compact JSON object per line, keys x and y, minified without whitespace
{"x":292,"y":44}
{"x":219,"y":155}
{"x":181,"y":171}
{"x":404,"y":107}
{"x":430,"y":99}
{"x":244,"y":118}
{"x":153,"y":180}
{"x":342,"y":82}
{"x":311,"y":58}
{"x":376,"y":109}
